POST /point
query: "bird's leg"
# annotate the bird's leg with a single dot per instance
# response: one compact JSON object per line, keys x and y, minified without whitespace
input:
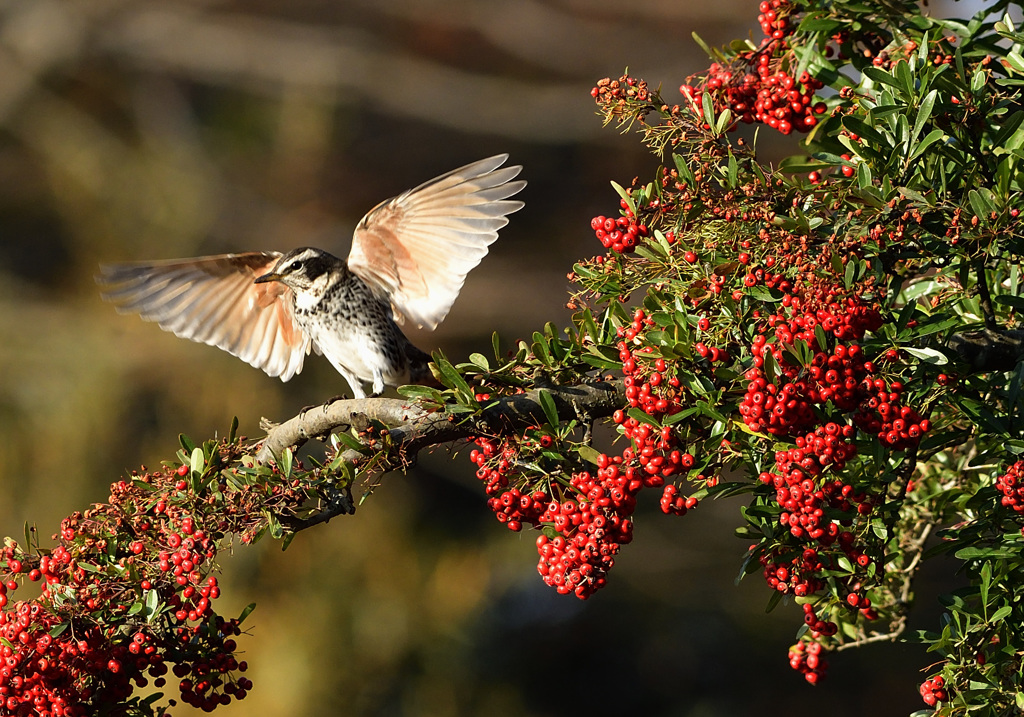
{"x":378,"y":382}
{"x":357,"y":387}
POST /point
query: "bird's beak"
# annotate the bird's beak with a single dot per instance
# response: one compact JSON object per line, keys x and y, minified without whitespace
{"x":267,"y":278}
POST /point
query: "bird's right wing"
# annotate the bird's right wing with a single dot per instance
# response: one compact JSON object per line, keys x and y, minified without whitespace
{"x":213,"y":300}
{"x":417,"y":248}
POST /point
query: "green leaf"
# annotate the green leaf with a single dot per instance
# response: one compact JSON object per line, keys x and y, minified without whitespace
{"x":621,"y":191}
{"x":590,"y":326}
{"x":824,"y":25}
{"x":246,"y":612}
{"x":972,"y":553}
{"x":186,"y":443}
{"x":978,"y":80}
{"x":721,"y":127}
{"x":763,"y":293}
{"x":915,"y":196}
{"x":233,"y":431}
{"x":287,"y":540}
{"x":588,"y":453}
{"x":284,"y":463}
{"x":981,"y":203}
{"x":547,"y":404}
{"x":1007,"y":134}
{"x":197,"y":461}
{"x":733,"y":170}
{"x":924,"y":112}
{"x":1016,"y":302}
{"x":822,"y":339}
{"x":152,"y":603}
{"x":600,"y":362}
{"x":851,"y":273}
{"x":905,"y":78}
{"x":867,"y":132}
{"x":1001,"y":614}
{"x":643,"y":417}
{"x":864,"y":177}
{"x":704,"y":46}
{"x":418,"y":391}
{"x":480,"y":361}
{"x":708,"y":106}
{"x":708,"y":410}
{"x":906,"y":314}
{"x":986,"y":579}
{"x":647,"y":253}
{"x":684,"y":169}
{"x":931,"y":138}
{"x":879,"y":75}
{"x":451,"y":377}
{"x":496,"y":346}
{"x":274,"y":527}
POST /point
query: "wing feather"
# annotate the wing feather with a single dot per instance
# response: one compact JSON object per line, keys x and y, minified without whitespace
{"x":213,"y":300}
{"x":417,"y":248}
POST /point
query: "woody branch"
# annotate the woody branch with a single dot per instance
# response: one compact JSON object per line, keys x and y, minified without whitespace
{"x":412,"y":428}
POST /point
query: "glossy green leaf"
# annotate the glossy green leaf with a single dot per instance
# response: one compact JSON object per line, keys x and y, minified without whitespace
{"x":547,"y":404}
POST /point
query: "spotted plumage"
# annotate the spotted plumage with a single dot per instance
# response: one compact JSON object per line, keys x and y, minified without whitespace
{"x":408,"y":261}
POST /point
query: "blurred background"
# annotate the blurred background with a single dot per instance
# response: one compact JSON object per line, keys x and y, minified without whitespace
{"x":142,"y":130}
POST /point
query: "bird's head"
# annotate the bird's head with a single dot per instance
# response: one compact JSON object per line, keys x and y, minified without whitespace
{"x":300,"y":269}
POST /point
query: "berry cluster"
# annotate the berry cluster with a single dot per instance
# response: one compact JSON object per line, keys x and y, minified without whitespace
{"x":757,"y":87}
{"x":841,"y":376}
{"x":898,"y":426}
{"x":805,"y":657}
{"x":626,"y":98}
{"x":805,"y":500}
{"x":796,"y":575}
{"x":584,"y":522}
{"x":1011,"y":485}
{"x":837,"y":375}
{"x":824,"y":391}
{"x":149,"y":532}
{"x":127,"y":593}
{"x":933,"y":690}
{"x":622,"y":234}
{"x":589,"y":532}
{"x":587,"y":517}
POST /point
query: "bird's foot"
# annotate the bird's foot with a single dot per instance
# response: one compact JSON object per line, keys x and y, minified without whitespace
{"x":340,"y":397}
{"x":322,"y":406}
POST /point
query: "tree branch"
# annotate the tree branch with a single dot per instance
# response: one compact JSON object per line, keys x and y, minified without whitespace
{"x":989,"y":349}
{"x":414,"y":428}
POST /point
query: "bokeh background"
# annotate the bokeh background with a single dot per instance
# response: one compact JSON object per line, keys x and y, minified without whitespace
{"x":139,"y":130}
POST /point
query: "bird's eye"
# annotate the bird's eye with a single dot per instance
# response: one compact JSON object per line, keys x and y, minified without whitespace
{"x":294,"y":266}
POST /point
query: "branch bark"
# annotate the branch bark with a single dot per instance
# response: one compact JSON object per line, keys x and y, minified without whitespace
{"x":989,"y":349}
{"x":412,"y":428}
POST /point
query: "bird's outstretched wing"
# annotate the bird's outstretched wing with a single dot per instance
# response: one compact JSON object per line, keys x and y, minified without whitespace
{"x":417,"y":248}
{"x":213,"y":300}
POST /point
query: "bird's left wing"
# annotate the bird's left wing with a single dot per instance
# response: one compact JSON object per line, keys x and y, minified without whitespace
{"x":417,"y":248}
{"x":213,"y":300}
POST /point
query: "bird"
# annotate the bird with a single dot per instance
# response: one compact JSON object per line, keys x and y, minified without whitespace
{"x":407,"y":263}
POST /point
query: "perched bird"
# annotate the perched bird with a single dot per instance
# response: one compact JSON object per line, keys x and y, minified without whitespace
{"x":408,"y":261}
